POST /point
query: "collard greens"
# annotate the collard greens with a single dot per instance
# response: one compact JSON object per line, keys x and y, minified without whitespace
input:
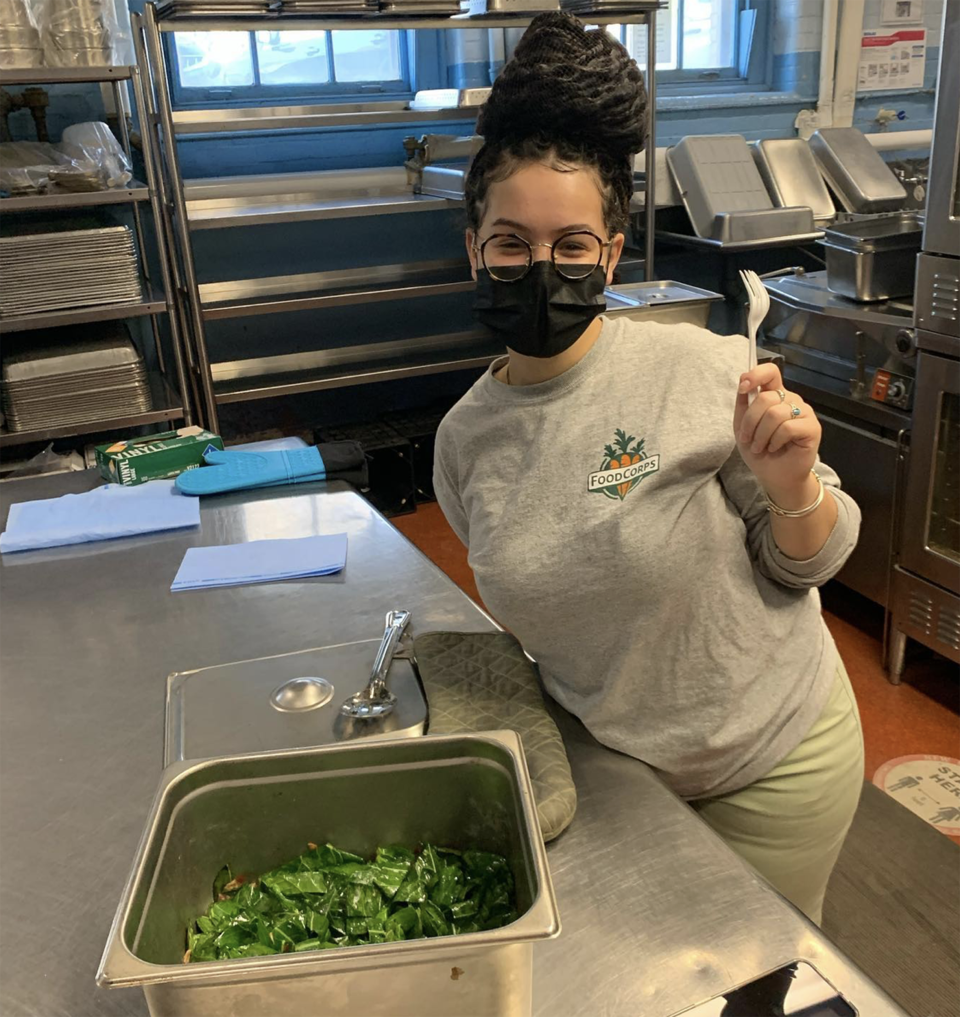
{"x":327,"y":898}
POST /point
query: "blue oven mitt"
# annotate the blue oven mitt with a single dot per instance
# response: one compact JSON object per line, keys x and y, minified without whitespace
{"x":236,"y":471}
{"x":228,"y":470}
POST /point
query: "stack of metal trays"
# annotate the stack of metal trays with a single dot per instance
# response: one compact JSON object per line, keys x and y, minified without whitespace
{"x":216,"y":8}
{"x":59,"y":385}
{"x":77,"y":268}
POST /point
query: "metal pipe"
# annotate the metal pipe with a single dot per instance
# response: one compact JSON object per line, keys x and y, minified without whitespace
{"x":828,"y":62}
{"x":171,"y":293}
{"x":890,"y":141}
{"x":169,"y":142}
{"x":848,"y":62}
{"x":650,"y":152}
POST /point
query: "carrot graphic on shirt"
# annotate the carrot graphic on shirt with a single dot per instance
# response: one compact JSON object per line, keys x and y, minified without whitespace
{"x":620,"y":454}
{"x":625,"y":463}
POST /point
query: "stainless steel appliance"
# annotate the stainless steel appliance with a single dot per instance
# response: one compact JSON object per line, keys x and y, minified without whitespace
{"x":854,"y":363}
{"x":942,"y":233}
{"x":926,"y":590}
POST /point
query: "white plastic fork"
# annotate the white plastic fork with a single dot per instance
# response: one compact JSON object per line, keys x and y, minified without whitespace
{"x":759,"y":306}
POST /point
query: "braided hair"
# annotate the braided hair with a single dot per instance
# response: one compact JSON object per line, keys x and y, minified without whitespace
{"x":568,"y":97}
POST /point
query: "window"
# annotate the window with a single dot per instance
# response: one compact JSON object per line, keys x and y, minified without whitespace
{"x":696,"y":40}
{"x":257,"y":66}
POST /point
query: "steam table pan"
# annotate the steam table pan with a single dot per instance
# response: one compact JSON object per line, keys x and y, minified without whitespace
{"x":256,"y":811}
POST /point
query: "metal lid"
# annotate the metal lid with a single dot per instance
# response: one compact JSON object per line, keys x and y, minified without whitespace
{"x":661,"y":291}
{"x":283,"y":702}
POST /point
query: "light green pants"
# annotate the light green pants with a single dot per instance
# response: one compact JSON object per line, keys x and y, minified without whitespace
{"x":790,"y":825}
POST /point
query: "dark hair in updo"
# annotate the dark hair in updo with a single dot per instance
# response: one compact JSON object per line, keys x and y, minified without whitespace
{"x":567,"y":97}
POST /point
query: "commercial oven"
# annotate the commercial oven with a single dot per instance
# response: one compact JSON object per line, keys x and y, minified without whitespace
{"x":926,"y":582}
{"x":854,"y":364}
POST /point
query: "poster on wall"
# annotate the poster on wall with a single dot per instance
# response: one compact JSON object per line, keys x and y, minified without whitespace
{"x":666,"y":41}
{"x":901,"y":12}
{"x":892,"y":60}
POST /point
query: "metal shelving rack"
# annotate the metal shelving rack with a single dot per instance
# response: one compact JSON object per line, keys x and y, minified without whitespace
{"x":282,"y":198}
{"x":169,"y":401}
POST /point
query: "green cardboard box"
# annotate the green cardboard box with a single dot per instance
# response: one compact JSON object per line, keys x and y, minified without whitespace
{"x":154,"y":457}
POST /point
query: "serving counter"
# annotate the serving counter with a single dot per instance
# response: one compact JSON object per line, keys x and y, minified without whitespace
{"x":658,"y":914}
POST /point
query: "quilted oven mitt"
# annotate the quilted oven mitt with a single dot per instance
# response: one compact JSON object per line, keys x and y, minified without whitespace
{"x":482,"y":681}
{"x":237,"y":471}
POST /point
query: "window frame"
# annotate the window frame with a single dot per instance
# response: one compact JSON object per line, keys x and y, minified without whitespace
{"x":424,"y":65}
{"x":750,"y":73}
{"x":420,"y":65}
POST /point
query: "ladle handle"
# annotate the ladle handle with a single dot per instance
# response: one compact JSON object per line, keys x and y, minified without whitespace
{"x":396,"y":622}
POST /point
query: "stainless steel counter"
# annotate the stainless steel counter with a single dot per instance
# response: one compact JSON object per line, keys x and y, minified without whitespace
{"x":657,"y":913}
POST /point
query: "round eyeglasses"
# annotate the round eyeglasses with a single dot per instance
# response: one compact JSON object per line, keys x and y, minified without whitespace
{"x":508,"y":257}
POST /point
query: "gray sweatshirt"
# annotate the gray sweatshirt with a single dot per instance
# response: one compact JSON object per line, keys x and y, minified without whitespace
{"x":650,"y":592}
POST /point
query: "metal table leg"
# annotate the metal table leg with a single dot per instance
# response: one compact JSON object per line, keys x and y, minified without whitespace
{"x":898,"y":649}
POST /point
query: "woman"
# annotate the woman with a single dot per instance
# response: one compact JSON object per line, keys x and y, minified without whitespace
{"x":650,"y":533}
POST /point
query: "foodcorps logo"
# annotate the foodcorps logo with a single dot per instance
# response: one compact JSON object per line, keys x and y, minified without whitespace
{"x":624,"y":465}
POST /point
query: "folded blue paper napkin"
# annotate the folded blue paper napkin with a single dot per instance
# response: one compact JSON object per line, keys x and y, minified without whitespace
{"x":101,"y":514}
{"x":261,"y":561}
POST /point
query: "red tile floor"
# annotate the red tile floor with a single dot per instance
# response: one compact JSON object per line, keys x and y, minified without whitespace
{"x":918,"y":716}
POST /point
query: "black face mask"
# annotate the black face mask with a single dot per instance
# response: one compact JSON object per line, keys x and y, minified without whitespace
{"x":543,"y":314}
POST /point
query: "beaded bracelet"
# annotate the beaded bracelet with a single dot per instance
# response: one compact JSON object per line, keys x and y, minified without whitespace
{"x":797,"y":513}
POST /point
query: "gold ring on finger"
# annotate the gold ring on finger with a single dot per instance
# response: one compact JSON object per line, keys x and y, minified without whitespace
{"x":782,"y":394}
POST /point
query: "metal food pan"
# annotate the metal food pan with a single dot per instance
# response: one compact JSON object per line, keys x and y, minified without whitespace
{"x":661,"y":300}
{"x":902,"y":230}
{"x":257,"y":811}
{"x":792,"y":176}
{"x":442,"y":182}
{"x":762,"y":224}
{"x":855,"y":170}
{"x":715,"y":174}
{"x":869,"y":276}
